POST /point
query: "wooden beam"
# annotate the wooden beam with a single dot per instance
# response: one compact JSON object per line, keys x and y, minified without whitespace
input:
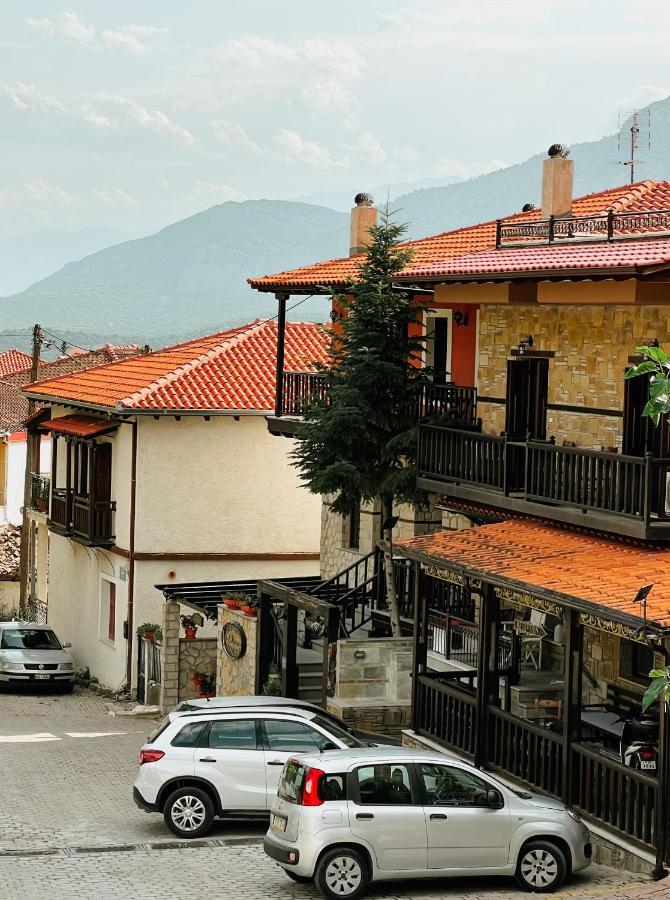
{"x":571,"y":706}
{"x":488,"y":607}
{"x":420,"y":650}
{"x":281,"y":338}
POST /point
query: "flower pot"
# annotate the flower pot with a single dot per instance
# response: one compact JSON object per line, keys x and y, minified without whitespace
{"x":149,"y":636}
{"x":231,"y":603}
{"x":250,"y":611}
{"x":190,"y":633}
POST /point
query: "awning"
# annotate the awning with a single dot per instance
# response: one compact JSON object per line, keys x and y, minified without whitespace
{"x":597,"y":575}
{"x":80,"y":426}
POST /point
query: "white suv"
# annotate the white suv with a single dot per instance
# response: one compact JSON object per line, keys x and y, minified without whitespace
{"x":346,"y":818}
{"x":200,"y":764}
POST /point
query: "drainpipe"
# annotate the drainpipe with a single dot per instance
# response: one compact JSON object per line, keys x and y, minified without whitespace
{"x":131,"y":558}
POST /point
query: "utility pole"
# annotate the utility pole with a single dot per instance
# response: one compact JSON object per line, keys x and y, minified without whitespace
{"x":27,"y":551}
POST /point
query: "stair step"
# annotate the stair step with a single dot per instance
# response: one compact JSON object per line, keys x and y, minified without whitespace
{"x":312,"y":696}
{"x":313,"y":680}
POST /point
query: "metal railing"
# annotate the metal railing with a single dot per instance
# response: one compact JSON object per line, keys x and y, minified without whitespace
{"x":609,"y":226}
{"x":40,"y":486}
{"x":302,"y":390}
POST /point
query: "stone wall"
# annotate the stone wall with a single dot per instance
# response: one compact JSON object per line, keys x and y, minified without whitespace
{"x":374,"y":718}
{"x":591,"y":346}
{"x":170,"y":656}
{"x":236,"y":677}
{"x":198,"y":655}
{"x":376,"y":670}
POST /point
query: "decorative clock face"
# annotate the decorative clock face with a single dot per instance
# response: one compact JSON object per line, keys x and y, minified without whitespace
{"x":234,"y":640}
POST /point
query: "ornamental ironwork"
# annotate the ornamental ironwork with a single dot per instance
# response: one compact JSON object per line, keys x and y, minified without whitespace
{"x":609,"y":627}
{"x":452,"y":577}
{"x":528,"y":601}
{"x":609,"y":226}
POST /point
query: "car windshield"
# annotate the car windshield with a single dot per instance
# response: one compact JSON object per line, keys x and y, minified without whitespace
{"x":29,"y":639}
{"x":328,"y":725}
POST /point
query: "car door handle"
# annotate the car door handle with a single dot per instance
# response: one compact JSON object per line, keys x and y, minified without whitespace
{"x":438,"y":817}
{"x":275,"y":762}
{"x":364,"y":816}
{"x":206,"y":759}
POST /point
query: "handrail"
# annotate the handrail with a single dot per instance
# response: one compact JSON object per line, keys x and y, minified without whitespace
{"x":595,"y":227}
{"x":525,"y":724}
{"x":596,"y":756}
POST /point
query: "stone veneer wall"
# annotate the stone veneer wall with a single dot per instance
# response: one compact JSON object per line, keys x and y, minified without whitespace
{"x":591,"y":346}
{"x":198,"y":655}
{"x":236,"y":677}
{"x":170,"y":657}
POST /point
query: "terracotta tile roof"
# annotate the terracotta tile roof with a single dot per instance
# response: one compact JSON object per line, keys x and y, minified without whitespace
{"x":230,"y":370}
{"x":79,"y":426}
{"x":596,"y":569}
{"x":431,"y":251}
{"x":13,"y":360}
{"x":628,"y":256}
{"x":13,"y":403}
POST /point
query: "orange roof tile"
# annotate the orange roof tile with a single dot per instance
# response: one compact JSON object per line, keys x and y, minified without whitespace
{"x":80,"y":426}
{"x":13,"y":360}
{"x":230,"y":370}
{"x":338,"y":273}
{"x":593,"y":569}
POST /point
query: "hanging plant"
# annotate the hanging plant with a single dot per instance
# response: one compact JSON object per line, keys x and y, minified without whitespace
{"x":150,"y":632}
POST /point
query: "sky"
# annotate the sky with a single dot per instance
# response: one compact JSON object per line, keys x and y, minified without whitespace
{"x":135,"y":114}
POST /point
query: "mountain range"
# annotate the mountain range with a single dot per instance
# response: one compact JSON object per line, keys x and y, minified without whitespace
{"x":190,"y":277}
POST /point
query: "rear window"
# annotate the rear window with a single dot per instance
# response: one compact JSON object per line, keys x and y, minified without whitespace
{"x":338,"y":732}
{"x":290,"y":783}
{"x":190,"y":735}
{"x":333,"y":787}
{"x":158,"y":730}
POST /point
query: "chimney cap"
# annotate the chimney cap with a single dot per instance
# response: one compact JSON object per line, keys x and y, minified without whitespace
{"x":364,"y":199}
{"x":558,"y":150}
{"x":528,"y":207}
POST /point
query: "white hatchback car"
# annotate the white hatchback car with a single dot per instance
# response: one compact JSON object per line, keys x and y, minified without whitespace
{"x":344,"y":819}
{"x":199,"y":765}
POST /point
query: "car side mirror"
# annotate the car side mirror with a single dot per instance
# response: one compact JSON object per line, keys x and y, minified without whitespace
{"x":66,"y":645}
{"x":494,"y":799}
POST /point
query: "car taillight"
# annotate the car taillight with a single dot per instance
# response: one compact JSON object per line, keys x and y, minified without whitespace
{"x":646,"y":754}
{"x":147,"y":756}
{"x":310,"y":788}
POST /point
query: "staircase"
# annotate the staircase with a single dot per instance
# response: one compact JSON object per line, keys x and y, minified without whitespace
{"x":310,"y":682}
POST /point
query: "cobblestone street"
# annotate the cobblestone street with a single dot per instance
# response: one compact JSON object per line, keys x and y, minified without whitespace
{"x":70,"y":830}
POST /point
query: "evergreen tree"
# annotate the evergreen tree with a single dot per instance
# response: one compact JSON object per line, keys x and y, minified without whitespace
{"x":360,"y":443}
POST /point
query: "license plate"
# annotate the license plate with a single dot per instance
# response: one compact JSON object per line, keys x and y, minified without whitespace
{"x":43,"y":677}
{"x":278,"y":823}
{"x":647,"y":764}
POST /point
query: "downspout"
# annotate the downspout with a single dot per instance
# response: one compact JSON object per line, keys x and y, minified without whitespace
{"x":131,"y":557}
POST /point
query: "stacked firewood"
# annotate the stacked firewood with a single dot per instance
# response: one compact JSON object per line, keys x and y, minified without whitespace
{"x":10,"y":544}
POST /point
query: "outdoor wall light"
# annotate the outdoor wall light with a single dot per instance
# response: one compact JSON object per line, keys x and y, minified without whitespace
{"x":460,"y":318}
{"x":525,"y":344}
{"x":359,"y":654}
{"x":335,"y":315}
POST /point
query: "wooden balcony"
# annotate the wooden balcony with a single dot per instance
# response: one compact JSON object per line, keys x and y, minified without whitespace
{"x":300,"y":390}
{"x":606,"y":491}
{"x":86,"y":520}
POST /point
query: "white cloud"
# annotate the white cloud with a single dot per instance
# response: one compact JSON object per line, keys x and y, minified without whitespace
{"x":213,"y":192}
{"x":37,"y":192}
{"x":468,"y":170}
{"x":329,"y":96}
{"x":68,"y":26}
{"x":234,"y":135}
{"x":315,"y":56}
{"x":368,"y":147}
{"x":151,"y":119}
{"x":643,"y":95}
{"x":114,"y":196}
{"x":135,"y":39}
{"x":293,"y":148}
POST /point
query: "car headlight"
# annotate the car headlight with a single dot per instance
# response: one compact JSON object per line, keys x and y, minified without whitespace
{"x":11,"y":667}
{"x":67,"y":666}
{"x":573,"y":815}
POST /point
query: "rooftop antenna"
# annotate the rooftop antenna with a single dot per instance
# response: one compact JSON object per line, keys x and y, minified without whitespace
{"x":634,"y":135}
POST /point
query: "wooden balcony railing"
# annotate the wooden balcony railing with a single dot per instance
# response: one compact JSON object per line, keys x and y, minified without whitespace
{"x":89,"y":521}
{"x":445,"y":714}
{"x":303,"y":389}
{"x":530,"y":753}
{"x":541,"y":478}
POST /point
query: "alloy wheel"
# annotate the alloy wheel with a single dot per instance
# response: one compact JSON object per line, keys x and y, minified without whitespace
{"x":539,"y":868}
{"x":343,"y":875}
{"x":188,"y":812}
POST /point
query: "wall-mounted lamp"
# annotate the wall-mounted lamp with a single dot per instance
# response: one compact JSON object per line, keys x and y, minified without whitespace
{"x":460,"y":318}
{"x":359,"y":654}
{"x":335,"y":315}
{"x":525,"y":344}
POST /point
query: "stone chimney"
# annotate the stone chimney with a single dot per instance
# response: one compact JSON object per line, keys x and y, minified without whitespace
{"x":363,"y":217}
{"x":557,"y":183}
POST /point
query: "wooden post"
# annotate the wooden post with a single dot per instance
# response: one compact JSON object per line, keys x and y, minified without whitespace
{"x":571,"y":706}
{"x":281,"y":338}
{"x":290,"y":677}
{"x":264,"y":640}
{"x":488,"y":606}
{"x":420,"y":651}
{"x":26,"y":552}
{"x":663,"y":792}
{"x":68,"y":484}
{"x":92,"y":451}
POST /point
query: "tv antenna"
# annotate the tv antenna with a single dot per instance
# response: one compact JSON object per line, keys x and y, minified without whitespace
{"x":634,"y":135}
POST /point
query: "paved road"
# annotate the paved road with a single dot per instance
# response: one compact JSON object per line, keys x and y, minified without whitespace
{"x":69,"y":829}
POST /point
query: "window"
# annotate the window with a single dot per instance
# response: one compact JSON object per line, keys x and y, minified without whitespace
{"x":333,"y":787}
{"x":336,"y":730}
{"x":235,"y":734}
{"x":190,"y":735}
{"x":294,"y":737}
{"x":354,"y":527}
{"x":447,"y":785}
{"x":635,"y":661}
{"x":28,"y":639}
{"x":107,"y":610}
{"x":290,"y":783}
{"x":384,"y":785}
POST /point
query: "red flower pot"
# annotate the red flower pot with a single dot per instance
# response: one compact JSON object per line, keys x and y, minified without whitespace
{"x":190,"y":633}
{"x":231,"y":603}
{"x":250,"y":611}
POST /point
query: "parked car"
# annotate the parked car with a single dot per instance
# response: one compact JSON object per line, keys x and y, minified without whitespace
{"x":346,"y":818}
{"x":32,"y":655}
{"x":207,"y":704}
{"x":202,"y":764}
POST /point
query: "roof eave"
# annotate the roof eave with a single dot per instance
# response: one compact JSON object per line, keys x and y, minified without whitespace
{"x":130,"y":411}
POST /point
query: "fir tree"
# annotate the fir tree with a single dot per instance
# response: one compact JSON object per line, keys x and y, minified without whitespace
{"x":360,"y":443}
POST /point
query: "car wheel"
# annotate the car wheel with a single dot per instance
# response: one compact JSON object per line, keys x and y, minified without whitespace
{"x":342,"y":872}
{"x":299,"y":879}
{"x":189,"y":812}
{"x":541,"y":867}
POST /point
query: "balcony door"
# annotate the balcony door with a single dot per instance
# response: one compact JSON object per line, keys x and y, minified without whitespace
{"x":438,"y":345}
{"x":640,"y":435}
{"x":527,"y":387}
{"x":102,"y":473}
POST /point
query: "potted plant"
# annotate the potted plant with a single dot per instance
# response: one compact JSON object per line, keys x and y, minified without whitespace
{"x":150,"y":632}
{"x":205,"y":682}
{"x":190,"y":625}
{"x":272,"y":689}
{"x":249,"y":608}
{"x":233,"y":600}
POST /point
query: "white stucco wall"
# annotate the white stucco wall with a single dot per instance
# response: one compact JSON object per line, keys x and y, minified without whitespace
{"x":15,"y":473}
